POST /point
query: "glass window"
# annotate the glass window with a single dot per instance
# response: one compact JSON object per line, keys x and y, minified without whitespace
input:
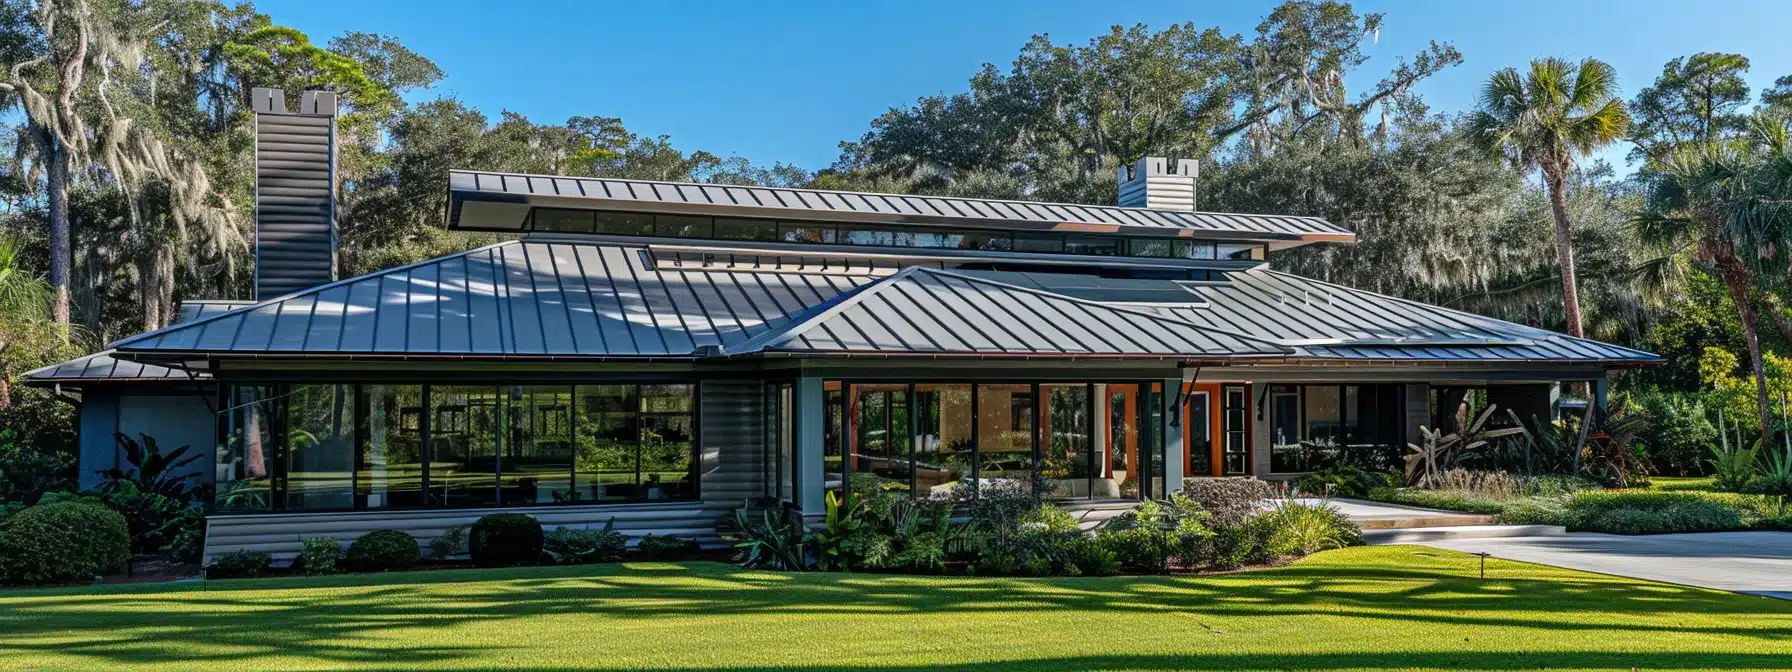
{"x":880,"y":437}
{"x":1285,"y":429}
{"x":1193,"y":249}
{"x":391,"y":471}
{"x":1235,"y":449}
{"x":833,"y":433}
{"x":668,"y":442}
{"x":555,"y":219}
{"x":1005,"y":434}
{"x":1105,"y":247}
{"x":1200,"y":435}
{"x":245,"y":461}
{"x":609,"y":443}
{"x":806,"y":233}
{"x":869,"y":237}
{"x":624,"y":224}
{"x":1241,"y":251}
{"x":537,"y":466}
{"x":679,"y":226}
{"x":942,"y":438}
{"x":1038,"y":243}
{"x":746,"y":229}
{"x":320,"y":452}
{"x":1149,"y":247}
{"x":466,"y":426}
{"x":1065,"y":462}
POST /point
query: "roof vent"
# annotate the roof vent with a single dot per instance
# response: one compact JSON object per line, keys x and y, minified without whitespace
{"x":1154,"y":185}
{"x":295,"y":192}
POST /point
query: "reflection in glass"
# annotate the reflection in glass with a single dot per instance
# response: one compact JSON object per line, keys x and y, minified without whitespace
{"x":391,"y":473}
{"x":880,"y":431}
{"x":1066,"y":464}
{"x":608,"y":450}
{"x":466,"y":426}
{"x":833,"y":437}
{"x":537,"y":467}
{"x":942,"y":438}
{"x":320,"y":451}
{"x":1005,"y":434}
{"x":668,"y":443}
{"x":245,"y":461}
{"x":1199,"y":434}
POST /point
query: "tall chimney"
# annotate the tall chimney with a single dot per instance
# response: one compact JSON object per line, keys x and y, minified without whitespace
{"x":1153,"y":185}
{"x":295,"y":192}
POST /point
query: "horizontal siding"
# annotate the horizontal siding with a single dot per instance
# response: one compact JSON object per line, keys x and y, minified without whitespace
{"x":280,"y":534}
{"x":732,"y":432}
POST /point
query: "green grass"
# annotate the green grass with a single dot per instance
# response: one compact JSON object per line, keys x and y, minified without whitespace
{"x":1693,"y":483}
{"x":1361,"y":608}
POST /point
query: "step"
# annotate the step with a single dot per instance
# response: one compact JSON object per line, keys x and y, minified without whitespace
{"x":1424,"y":534}
{"x":1402,"y":522}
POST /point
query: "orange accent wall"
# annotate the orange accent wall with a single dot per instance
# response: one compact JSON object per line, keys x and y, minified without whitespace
{"x":1214,"y":412}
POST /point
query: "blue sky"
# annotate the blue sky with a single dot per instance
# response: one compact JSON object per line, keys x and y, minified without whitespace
{"x":787,"y":81}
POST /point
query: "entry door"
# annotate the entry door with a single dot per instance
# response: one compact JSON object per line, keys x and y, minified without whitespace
{"x":1235,"y":452}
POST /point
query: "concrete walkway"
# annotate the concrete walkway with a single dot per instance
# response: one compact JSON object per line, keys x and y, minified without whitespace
{"x":1380,"y":516}
{"x":1756,"y":563}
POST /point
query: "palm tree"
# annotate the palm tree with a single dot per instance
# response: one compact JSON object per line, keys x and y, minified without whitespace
{"x":1544,"y":120}
{"x":1726,"y":201}
{"x":24,"y":297}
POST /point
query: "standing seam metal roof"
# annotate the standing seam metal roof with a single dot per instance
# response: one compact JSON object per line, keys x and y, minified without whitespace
{"x":622,"y":194}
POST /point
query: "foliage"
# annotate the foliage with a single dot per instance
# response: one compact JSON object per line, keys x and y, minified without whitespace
{"x":580,"y":546}
{"x":1227,"y":500}
{"x":158,"y":524}
{"x":1732,"y":466}
{"x":1679,"y":432}
{"x":666,"y":548}
{"x":26,"y":472}
{"x":451,"y":542}
{"x":505,"y":540}
{"x":151,"y":471}
{"x":62,"y":542}
{"x":769,"y":538}
{"x":382,"y":551}
{"x":1298,"y":529}
{"x":1651,"y":512}
{"x":1344,"y":480}
{"x":1437,"y":451}
{"x":239,"y":565}
{"x":319,"y":555}
{"x":844,"y":538}
{"x":1154,"y":535}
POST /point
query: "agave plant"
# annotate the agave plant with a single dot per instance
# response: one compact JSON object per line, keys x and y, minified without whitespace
{"x":1438,"y":452}
{"x":769,"y":539}
{"x":1733,"y":465}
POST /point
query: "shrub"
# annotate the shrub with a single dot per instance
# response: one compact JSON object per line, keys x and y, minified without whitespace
{"x":1679,"y":430}
{"x":767,"y":538}
{"x":1344,"y":480}
{"x":319,"y":555}
{"x":1302,"y":529}
{"x":1652,"y":512}
{"x":382,"y":550}
{"x":505,"y":540}
{"x":1533,"y":511}
{"x":27,"y":472}
{"x":666,"y":548}
{"x":61,"y":542}
{"x":1155,"y":533}
{"x":1229,"y":500}
{"x":1769,"y":484}
{"x":239,"y":565}
{"x":451,"y":542}
{"x":579,"y":546}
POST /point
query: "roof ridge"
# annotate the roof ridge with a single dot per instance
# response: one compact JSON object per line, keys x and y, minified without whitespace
{"x":812,"y":190}
{"x":819,"y":313}
{"x":1148,"y":314}
{"x":316,"y":289}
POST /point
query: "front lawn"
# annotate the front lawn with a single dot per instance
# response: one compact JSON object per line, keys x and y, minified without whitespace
{"x":1358,"y":608}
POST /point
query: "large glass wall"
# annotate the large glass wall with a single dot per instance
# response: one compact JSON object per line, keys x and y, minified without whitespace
{"x":1056,"y":438}
{"x":1313,"y":426}
{"x":333,"y":447}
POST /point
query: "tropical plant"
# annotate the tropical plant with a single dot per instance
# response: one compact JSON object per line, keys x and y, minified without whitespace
{"x":769,"y":538}
{"x":841,"y":543}
{"x":1545,"y":119}
{"x":1732,"y":465}
{"x":151,"y":470}
{"x":666,"y":547}
{"x":580,"y":546}
{"x":1438,"y":452}
{"x":24,"y":298}
{"x":1726,"y":201}
{"x":1299,"y":528}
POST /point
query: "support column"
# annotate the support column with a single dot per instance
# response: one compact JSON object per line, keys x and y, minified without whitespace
{"x":1601,"y":386}
{"x":811,"y":414}
{"x":1175,"y":413}
{"x":1260,"y":434}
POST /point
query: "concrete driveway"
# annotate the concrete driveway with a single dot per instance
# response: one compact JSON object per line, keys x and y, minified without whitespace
{"x":1756,"y":563}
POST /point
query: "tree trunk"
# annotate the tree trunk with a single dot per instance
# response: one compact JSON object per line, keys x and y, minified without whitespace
{"x":5,"y":372}
{"x":1741,"y":283}
{"x":1555,"y":174}
{"x":60,"y":255}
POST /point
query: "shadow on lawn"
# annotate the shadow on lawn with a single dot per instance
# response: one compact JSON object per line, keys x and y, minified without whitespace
{"x":348,"y":620}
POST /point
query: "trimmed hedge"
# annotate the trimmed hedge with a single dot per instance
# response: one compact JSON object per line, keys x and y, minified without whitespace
{"x":63,"y":542}
{"x":505,"y":540}
{"x":1653,"y":512}
{"x":382,"y":550}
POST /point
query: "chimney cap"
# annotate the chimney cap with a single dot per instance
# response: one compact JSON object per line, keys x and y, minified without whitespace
{"x":266,"y":100}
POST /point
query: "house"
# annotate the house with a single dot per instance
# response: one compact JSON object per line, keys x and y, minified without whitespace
{"x":655,"y":353}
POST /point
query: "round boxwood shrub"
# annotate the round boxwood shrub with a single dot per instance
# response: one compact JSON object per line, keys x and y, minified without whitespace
{"x":382,"y":550}
{"x":504,"y":540}
{"x":63,"y":542}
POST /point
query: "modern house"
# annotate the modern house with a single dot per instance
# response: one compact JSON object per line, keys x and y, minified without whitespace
{"x":657,"y":352}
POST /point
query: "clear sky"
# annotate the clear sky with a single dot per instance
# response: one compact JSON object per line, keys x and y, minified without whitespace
{"x":787,"y":81}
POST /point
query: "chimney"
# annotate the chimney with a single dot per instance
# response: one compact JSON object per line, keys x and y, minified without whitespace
{"x":295,"y":192}
{"x":1153,"y":185}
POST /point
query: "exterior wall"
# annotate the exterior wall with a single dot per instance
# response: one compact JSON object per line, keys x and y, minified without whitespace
{"x":1539,"y":401}
{"x":173,"y":420}
{"x":731,"y":430}
{"x":280,"y":534}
